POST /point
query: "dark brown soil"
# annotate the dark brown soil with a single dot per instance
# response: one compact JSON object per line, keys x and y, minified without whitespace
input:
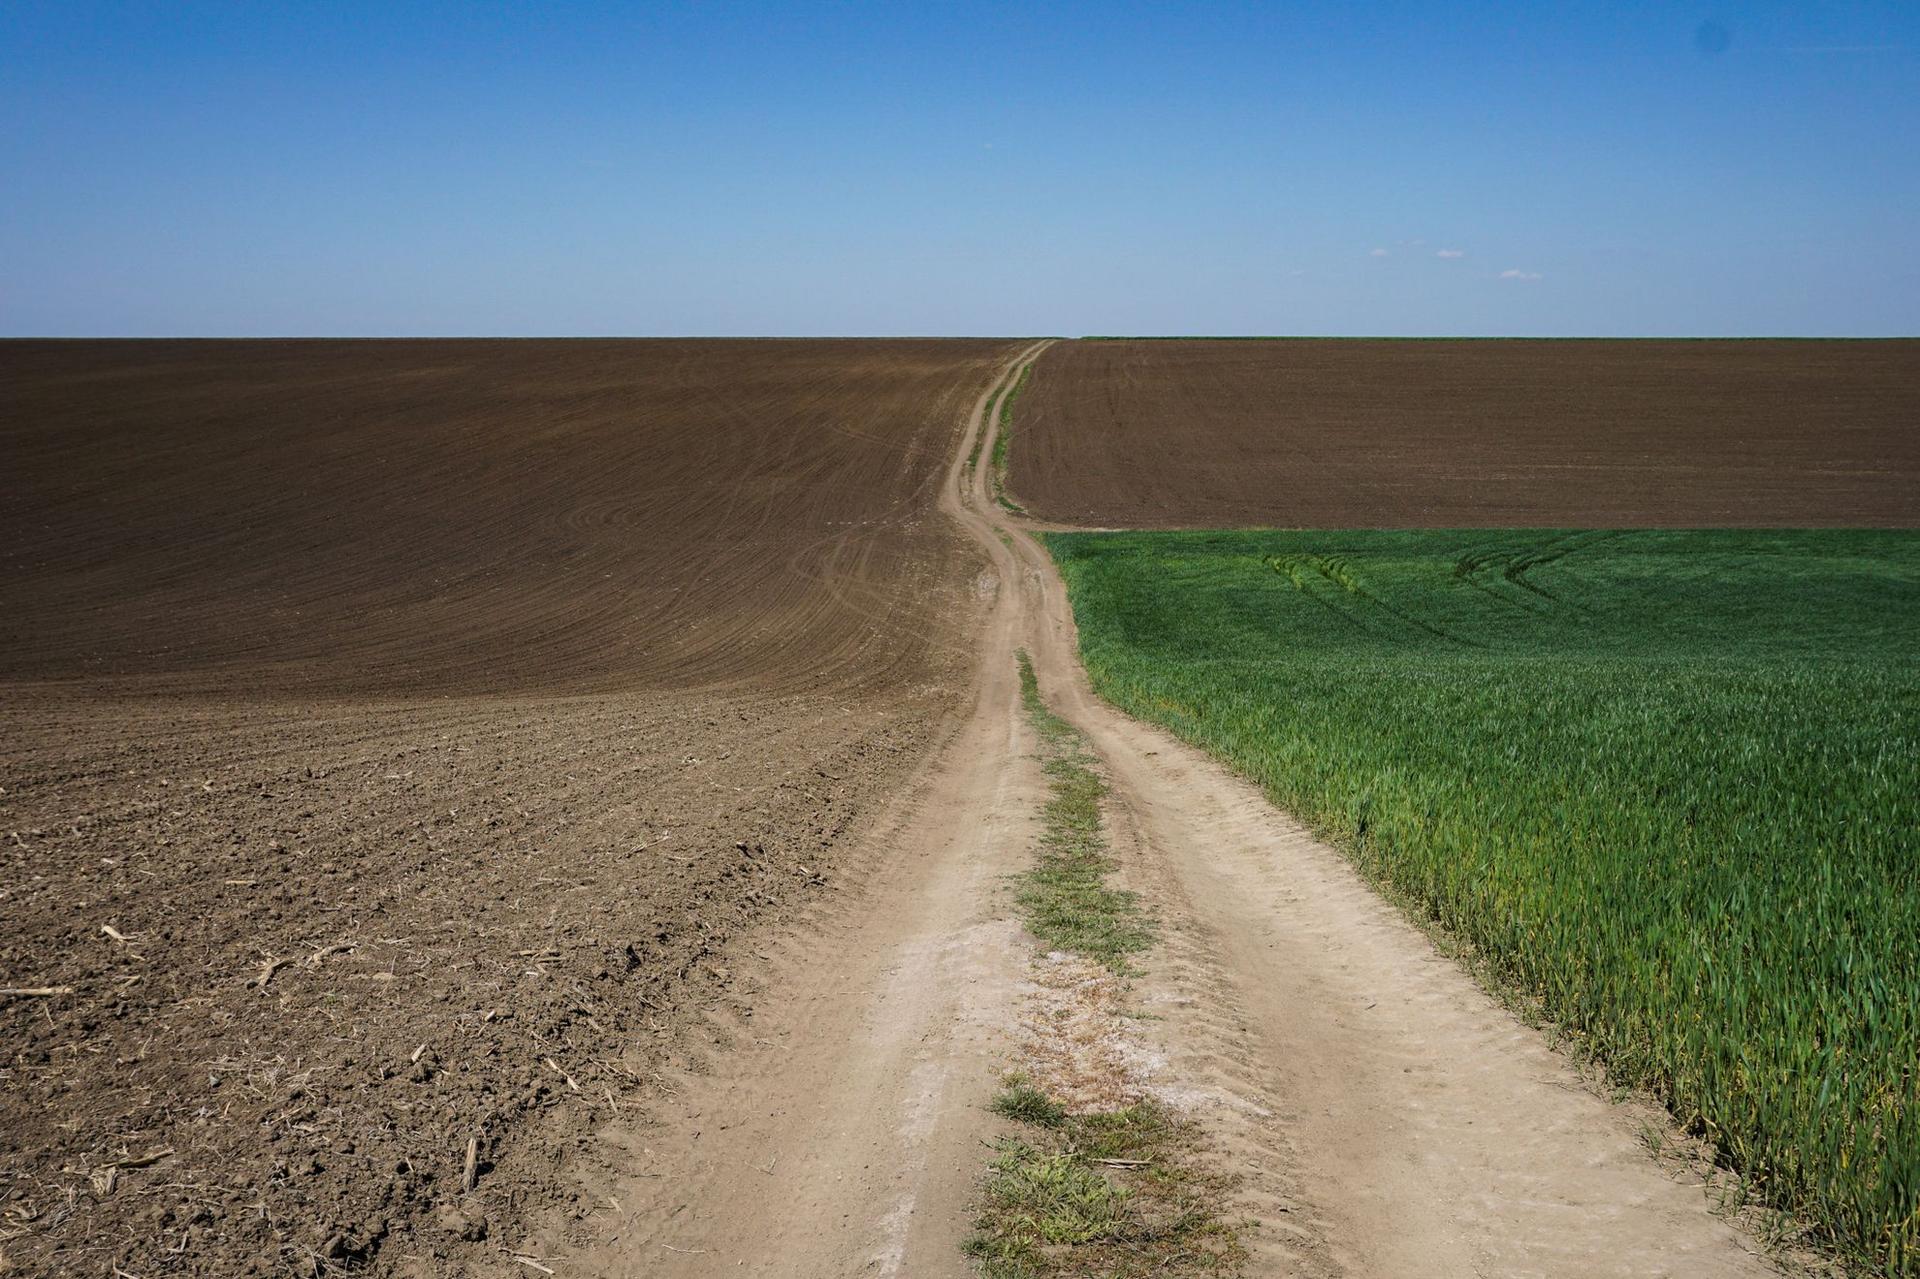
{"x":431,"y":723}
{"x":1438,"y":434}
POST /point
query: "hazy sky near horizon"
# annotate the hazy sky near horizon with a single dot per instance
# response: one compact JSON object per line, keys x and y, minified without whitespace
{"x":1321,"y":167}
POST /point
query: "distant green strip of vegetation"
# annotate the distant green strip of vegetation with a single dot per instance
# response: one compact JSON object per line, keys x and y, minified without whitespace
{"x":1064,"y":899}
{"x":1667,"y":784}
{"x":1004,"y":434}
{"x":973,"y":458}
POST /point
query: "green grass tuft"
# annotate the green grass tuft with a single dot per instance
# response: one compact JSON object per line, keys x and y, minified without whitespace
{"x":1104,"y":1195}
{"x":1055,"y":1198}
{"x":1022,"y":1102}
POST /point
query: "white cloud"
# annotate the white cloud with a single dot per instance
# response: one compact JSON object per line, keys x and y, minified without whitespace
{"x":1451,"y":253}
{"x":1378,"y":253}
{"x":1513,"y":274}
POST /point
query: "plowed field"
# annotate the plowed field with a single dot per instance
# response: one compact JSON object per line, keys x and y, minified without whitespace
{"x":401,"y":737}
{"x":1455,"y":434}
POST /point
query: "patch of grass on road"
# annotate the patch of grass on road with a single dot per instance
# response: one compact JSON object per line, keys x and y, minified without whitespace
{"x":1115,"y":1193}
{"x":1664,"y":783}
{"x":1022,"y":1102}
{"x":1064,"y":899}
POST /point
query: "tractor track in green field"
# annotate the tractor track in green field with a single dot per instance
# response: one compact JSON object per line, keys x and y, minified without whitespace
{"x":1513,"y":567}
{"x":1301,"y":569}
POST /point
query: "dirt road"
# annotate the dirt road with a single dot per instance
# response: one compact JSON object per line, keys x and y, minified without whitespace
{"x":844,"y":1137}
{"x":1389,"y":1117}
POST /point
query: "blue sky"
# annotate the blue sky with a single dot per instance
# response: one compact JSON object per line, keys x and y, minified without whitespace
{"x":426,"y":168}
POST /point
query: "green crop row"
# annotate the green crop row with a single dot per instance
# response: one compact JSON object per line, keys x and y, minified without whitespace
{"x":1665,"y":783}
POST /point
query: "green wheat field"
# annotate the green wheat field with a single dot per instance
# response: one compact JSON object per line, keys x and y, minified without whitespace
{"x":1665,"y":783}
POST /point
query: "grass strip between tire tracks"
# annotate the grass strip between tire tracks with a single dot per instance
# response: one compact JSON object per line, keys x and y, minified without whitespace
{"x":1064,"y":900}
{"x":1113,"y":1192}
{"x":1000,"y":439}
{"x":980,"y":439}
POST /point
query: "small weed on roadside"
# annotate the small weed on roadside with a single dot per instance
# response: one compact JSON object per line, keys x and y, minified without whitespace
{"x":1022,"y":1102}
